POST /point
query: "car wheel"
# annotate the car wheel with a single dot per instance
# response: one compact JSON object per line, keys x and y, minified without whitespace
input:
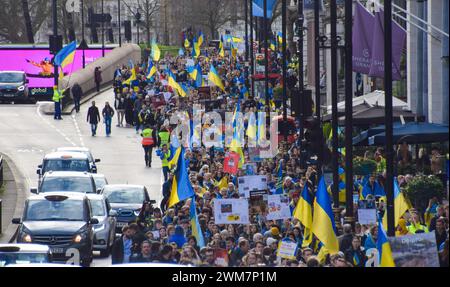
{"x":86,"y":263}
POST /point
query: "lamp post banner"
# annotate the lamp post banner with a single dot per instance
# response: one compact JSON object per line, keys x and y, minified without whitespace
{"x":362,"y":39}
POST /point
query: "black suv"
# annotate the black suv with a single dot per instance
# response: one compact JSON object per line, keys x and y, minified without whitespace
{"x":63,"y":221}
{"x":13,"y":86}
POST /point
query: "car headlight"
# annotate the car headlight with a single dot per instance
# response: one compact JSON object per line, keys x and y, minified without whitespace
{"x":26,"y":238}
{"x":99,"y":227}
{"x":21,"y":88}
{"x":79,"y":237}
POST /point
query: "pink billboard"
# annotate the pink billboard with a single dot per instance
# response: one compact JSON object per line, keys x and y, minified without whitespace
{"x":36,"y":63}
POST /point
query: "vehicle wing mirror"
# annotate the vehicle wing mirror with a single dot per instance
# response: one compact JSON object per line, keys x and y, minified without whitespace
{"x":38,"y":171}
{"x":34,"y":190}
{"x":97,"y":160}
{"x":16,"y":221}
{"x":99,"y":190}
{"x":94,"y":221}
{"x":113,"y":213}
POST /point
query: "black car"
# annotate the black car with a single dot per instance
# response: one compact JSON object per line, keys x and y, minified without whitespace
{"x":63,"y":221}
{"x":13,"y":86}
{"x":127,"y":201}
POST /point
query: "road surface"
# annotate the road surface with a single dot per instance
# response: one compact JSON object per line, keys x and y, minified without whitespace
{"x":26,"y":135}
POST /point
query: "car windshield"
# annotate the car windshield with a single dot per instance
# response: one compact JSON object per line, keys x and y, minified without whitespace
{"x":125,"y":195}
{"x":47,"y":210}
{"x":65,"y":165}
{"x":100,"y":182}
{"x":87,"y":153}
{"x":70,"y":184}
{"x":11,"y":77}
{"x":22,"y":258}
{"x":98,"y":208}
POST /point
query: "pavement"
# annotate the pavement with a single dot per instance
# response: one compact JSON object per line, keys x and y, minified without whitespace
{"x":28,"y":134}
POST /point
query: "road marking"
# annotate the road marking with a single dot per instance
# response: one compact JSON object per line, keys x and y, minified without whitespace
{"x":38,"y":111}
{"x":77,"y":128}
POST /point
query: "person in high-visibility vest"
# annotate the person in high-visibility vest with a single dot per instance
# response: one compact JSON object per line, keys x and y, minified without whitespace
{"x":165,"y":155}
{"x":149,"y":141}
{"x":416,"y":226}
{"x":57,"y":97}
{"x":164,"y":137}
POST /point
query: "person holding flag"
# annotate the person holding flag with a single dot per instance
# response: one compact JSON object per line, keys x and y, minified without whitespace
{"x":303,"y":212}
{"x":65,"y":57}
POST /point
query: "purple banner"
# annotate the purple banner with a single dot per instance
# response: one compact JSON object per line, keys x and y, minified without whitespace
{"x":362,"y":39}
{"x":398,"y":42}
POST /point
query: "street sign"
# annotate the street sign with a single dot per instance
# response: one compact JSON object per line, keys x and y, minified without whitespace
{"x":73,"y":6}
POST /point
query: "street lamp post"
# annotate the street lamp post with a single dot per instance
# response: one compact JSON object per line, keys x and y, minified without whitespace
{"x":55,"y":36}
{"x":83,"y":40}
{"x":389,"y":116}
{"x":246,"y":29}
{"x":317,"y":78}
{"x":348,"y":113}
{"x":301,"y":83}
{"x":334,"y":99}
{"x":103,"y":29}
{"x":266,"y":62}
{"x":119,"y":23}
{"x":252,"y":58}
{"x":284,"y":28}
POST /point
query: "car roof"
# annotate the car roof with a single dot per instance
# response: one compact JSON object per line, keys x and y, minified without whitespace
{"x":98,"y":175}
{"x":73,"y":148}
{"x":112,"y":186}
{"x":24,"y":247}
{"x":61,"y":155}
{"x":67,"y":174}
{"x":70,"y":195}
{"x":93,"y":196}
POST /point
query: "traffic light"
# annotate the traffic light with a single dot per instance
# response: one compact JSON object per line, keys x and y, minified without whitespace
{"x":127,"y":25}
{"x":56,"y":44}
{"x":301,"y":106}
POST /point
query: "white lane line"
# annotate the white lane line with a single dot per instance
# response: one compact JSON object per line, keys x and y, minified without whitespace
{"x":77,"y":128}
{"x":38,"y":111}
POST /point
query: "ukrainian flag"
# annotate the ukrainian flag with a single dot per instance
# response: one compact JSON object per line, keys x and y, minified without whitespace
{"x":222,"y":183}
{"x":156,"y":52}
{"x":323,"y":225}
{"x":187,"y":44}
{"x":181,"y":185}
{"x":173,"y":83}
{"x":196,"y":74}
{"x":384,"y":248}
{"x":303,"y":212}
{"x":133,"y":74}
{"x":401,"y":205}
{"x":201,"y":38}
{"x":221,"y":49}
{"x":195,"y":48}
{"x":272,"y":45}
{"x":235,"y":145}
{"x":251,"y":128}
{"x":151,"y":70}
{"x":66,"y":55}
{"x":215,"y":78}
{"x":195,"y":225}
{"x":280,"y":38}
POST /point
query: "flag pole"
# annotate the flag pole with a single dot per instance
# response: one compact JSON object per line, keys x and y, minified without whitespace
{"x":348,"y":113}
{"x":388,"y":116}
{"x":266,"y":63}
{"x":283,"y":44}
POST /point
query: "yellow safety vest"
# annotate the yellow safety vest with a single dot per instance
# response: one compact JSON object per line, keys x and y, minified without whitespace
{"x":165,"y":137}
{"x":165,"y":160}
{"x":56,"y":95}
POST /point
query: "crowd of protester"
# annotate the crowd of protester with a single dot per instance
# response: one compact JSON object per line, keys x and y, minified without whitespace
{"x":163,"y":234}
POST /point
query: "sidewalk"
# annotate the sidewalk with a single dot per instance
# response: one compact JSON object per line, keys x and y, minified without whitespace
{"x":13,"y":198}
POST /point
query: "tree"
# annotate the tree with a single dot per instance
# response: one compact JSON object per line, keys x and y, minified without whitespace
{"x":27,"y":18}
{"x":13,"y":28}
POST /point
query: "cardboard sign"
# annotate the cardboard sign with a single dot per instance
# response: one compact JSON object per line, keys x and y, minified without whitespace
{"x":417,"y":250}
{"x":367,"y":216}
{"x":259,"y":63}
{"x":256,"y":183}
{"x":287,"y":249}
{"x":231,"y":163}
{"x":278,"y":207}
{"x":231,"y":211}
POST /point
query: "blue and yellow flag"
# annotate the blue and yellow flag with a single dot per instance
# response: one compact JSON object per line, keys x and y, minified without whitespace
{"x":173,"y":83}
{"x":251,"y":128}
{"x":187,"y":44}
{"x":195,"y":72}
{"x":195,"y":225}
{"x":401,"y":205}
{"x":195,"y":48}
{"x":303,"y":212}
{"x":384,"y":248}
{"x":156,"y":52}
{"x":236,"y":143}
{"x":181,"y":185}
{"x":323,"y":225}
{"x":215,"y":78}
{"x":201,"y":38}
{"x":221,"y":49}
{"x":151,"y":70}
{"x":280,"y":38}
{"x":66,"y":55}
{"x":133,"y":74}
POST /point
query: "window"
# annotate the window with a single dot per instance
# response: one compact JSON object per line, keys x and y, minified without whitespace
{"x":46,"y":210}
{"x":69,"y":184}
{"x":66,"y":165}
{"x":125,"y":195}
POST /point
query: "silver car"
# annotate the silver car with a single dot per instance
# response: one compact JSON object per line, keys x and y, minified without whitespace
{"x":100,"y":181}
{"x":104,"y":231}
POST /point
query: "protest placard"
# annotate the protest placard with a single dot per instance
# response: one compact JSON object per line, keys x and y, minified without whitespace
{"x":246,"y":184}
{"x":278,"y":207}
{"x":231,"y":211}
{"x":221,"y":257}
{"x":416,"y":250}
{"x":287,"y":249}
{"x":367,"y":216}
